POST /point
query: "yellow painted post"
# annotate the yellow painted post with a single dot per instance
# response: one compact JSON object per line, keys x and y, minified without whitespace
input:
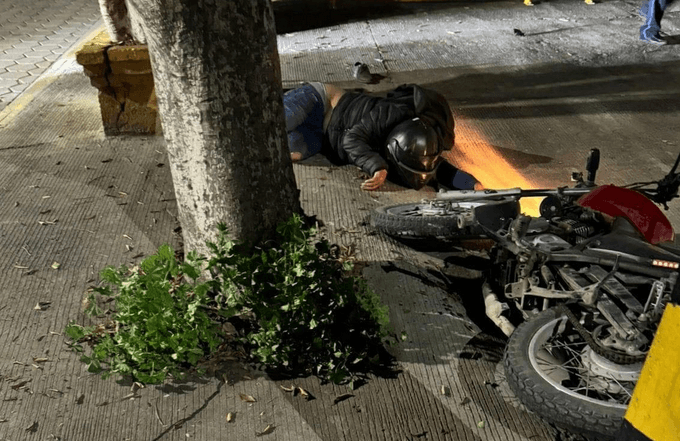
{"x":654,"y":409}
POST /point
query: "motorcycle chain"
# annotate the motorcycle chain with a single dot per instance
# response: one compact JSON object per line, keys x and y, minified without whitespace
{"x":609,"y":354}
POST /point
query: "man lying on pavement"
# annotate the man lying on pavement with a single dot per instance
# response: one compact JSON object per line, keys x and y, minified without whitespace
{"x":402,"y":135}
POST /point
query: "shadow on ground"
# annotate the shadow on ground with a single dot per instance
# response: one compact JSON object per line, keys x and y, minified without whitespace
{"x":561,"y":89}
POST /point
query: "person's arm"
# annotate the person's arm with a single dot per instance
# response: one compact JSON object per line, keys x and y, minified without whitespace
{"x":362,"y":142}
{"x":453,"y":178}
{"x":375,"y":182}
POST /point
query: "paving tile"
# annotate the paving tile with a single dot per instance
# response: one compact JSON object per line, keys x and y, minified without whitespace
{"x":23,"y":47}
{"x":52,"y":57}
{"x":7,"y":98}
{"x":48,"y":44}
{"x":69,"y":28}
{"x":17,"y":32}
{"x":50,"y":25}
{"x":16,"y":68}
{"x":20,"y":87}
{"x":37,"y":71}
{"x":39,"y":52}
{"x":12,"y":52}
{"x":30,"y":60}
{"x":46,"y":63}
{"x":56,"y":36}
{"x":6,"y":63}
{"x":6,"y":83}
{"x":14,"y":75}
{"x":34,"y":36}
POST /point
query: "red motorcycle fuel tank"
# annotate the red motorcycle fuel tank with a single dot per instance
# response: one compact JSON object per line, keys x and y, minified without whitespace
{"x":634,"y":206}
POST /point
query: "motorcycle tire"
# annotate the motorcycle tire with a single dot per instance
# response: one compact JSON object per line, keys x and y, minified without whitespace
{"x":406,"y":221}
{"x":595,"y":418}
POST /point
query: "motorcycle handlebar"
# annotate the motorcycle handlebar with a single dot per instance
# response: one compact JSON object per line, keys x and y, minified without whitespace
{"x":592,"y":164}
{"x":666,"y":189}
{"x":470,"y":195}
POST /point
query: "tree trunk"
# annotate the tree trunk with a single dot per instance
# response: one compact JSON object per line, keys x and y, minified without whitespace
{"x":218,"y":84}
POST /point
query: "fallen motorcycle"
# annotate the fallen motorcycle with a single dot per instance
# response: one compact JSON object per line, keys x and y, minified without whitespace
{"x":587,"y":282}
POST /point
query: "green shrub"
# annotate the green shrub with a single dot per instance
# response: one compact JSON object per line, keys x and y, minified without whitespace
{"x":296,"y":308}
{"x":306,"y":314}
{"x":160,"y":325}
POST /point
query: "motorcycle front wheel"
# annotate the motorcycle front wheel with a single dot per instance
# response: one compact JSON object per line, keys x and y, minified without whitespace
{"x":437,"y":219}
{"x":552,"y":370}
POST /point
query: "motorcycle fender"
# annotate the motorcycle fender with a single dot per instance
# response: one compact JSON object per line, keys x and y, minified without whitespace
{"x":637,"y":208}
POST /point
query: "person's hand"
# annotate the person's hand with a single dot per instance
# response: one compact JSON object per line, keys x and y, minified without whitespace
{"x":376,"y":181}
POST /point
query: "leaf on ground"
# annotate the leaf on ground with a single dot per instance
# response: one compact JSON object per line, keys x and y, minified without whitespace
{"x":247,"y":398}
{"x":21,"y":384}
{"x":288,"y":389}
{"x":230,"y":417}
{"x":342,"y":397}
{"x":304,"y":393}
{"x":267,"y":430}
{"x":465,"y":401}
{"x":32,"y":428}
{"x":41,"y":306}
{"x":80,"y":399}
{"x":446,"y":391}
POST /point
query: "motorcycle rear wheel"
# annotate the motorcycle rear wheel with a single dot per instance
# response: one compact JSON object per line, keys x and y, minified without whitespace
{"x":554,"y":373}
{"x":439,"y":219}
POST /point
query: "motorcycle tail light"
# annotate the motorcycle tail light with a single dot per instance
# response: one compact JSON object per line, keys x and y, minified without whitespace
{"x":666,"y":264}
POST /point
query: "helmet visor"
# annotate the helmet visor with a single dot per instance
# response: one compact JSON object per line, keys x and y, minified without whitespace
{"x":416,"y":178}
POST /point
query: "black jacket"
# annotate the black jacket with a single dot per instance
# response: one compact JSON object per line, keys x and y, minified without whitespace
{"x":358,"y":129}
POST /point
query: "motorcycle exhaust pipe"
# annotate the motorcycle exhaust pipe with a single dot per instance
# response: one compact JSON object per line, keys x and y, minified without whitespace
{"x":495,"y":309}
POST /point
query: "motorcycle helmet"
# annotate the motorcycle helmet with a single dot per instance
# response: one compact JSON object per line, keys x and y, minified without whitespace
{"x":413,"y":147}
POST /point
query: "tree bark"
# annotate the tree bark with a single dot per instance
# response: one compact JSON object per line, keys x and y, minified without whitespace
{"x":218,"y":84}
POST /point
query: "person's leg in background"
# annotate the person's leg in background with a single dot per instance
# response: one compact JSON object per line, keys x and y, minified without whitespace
{"x":653,"y":11}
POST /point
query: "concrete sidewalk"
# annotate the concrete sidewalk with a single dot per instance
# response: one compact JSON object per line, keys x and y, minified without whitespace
{"x":527,"y":109}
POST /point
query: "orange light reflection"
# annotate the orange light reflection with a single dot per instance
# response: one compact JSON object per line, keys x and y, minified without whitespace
{"x":473,"y":154}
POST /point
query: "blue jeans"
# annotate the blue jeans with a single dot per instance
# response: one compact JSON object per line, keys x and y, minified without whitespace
{"x":653,"y":12}
{"x":304,"y":110}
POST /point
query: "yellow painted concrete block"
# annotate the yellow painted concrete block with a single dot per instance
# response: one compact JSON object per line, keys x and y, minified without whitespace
{"x":654,"y":409}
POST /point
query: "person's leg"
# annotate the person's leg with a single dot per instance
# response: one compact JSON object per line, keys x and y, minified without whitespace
{"x":303,"y":108}
{"x":650,"y":30}
{"x":644,"y":9}
{"x":297,"y":105}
